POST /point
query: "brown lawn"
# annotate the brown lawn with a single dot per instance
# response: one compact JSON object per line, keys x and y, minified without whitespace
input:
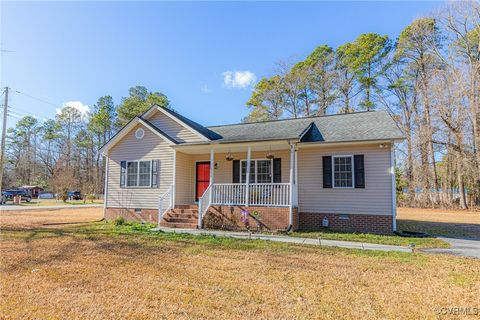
{"x":33,"y":219}
{"x":99,"y":271}
{"x":440,"y":222}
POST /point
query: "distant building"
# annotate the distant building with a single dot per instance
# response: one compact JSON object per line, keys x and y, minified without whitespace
{"x":33,"y":191}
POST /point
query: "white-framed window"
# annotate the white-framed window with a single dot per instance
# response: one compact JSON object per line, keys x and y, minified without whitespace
{"x":139,"y":173}
{"x":342,"y":168}
{"x":261,"y":171}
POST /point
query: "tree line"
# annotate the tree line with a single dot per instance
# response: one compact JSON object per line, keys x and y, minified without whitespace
{"x":428,"y":78}
{"x":62,"y":154}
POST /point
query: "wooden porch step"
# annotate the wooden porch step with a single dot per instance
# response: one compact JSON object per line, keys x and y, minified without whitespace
{"x":186,"y":206}
{"x":181,"y":215}
{"x":180,"y":220}
{"x":184,"y":211}
{"x":178,"y":225}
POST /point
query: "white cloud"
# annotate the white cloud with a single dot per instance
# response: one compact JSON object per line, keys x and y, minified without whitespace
{"x":205,"y":89}
{"x":83,"y":108}
{"x":238,"y":79}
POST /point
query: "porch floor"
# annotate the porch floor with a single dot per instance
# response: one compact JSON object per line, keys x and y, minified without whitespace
{"x":286,"y":239}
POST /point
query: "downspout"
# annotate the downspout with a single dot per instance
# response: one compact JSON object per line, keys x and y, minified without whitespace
{"x":394,"y":186}
{"x":105,"y":189}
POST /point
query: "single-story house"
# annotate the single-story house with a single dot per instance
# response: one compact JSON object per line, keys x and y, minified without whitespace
{"x":32,"y":191}
{"x":333,"y":171}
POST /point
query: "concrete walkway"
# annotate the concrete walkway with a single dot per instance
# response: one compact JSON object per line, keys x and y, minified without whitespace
{"x":286,"y":239}
{"x":459,"y":247}
{"x":5,"y":208}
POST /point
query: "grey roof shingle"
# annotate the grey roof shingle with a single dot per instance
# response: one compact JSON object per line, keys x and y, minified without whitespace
{"x":360,"y":126}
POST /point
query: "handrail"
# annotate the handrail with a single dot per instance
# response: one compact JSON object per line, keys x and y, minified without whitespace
{"x":259,"y":194}
{"x":163,"y":207}
{"x":204,"y":203}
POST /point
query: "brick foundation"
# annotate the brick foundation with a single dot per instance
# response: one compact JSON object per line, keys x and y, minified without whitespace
{"x":230,"y":218}
{"x":143,"y":215}
{"x":379,"y":224}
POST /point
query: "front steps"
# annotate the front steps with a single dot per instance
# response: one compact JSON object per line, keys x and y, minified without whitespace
{"x":182,"y":216}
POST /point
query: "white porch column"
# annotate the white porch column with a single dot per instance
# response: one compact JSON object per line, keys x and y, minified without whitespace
{"x":174,"y":177}
{"x":394,"y":187}
{"x":212,"y":169}
{"x":292,"y":171}
{"x":247,"y":177}
{"x":296,"y":178}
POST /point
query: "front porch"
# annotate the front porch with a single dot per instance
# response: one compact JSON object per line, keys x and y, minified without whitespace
{"x":233,"y":181}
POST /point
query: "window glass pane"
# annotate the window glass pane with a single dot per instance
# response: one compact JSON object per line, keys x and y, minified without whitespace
{"x":244,"y":171}
{"x":342,"y":167}
{"x":144,"y":178}
{"x":132,"y":171}
{"x":264,"y":171}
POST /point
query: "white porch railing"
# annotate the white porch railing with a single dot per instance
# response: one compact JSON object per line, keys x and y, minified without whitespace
{"x":204,"y":203}
{"x":165,"y":203}
{"x":228,"y":193}
{"x":260,"y":194}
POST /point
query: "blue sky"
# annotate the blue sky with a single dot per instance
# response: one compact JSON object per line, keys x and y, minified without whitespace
{"x":63,"y":51}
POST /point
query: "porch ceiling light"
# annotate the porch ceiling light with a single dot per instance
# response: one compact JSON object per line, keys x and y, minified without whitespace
{"x":270,"y":154}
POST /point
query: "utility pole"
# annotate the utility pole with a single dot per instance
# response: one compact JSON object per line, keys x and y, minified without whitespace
{"x":4,"y":132}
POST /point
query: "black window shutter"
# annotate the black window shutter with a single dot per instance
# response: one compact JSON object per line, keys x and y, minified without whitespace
{"x":123,"y":171}
{"x":236,"y":171}
{"x":155,"y":173}
{"x":277,"y":170}
{"x":359,"y":171}
{"x":327,"y":171}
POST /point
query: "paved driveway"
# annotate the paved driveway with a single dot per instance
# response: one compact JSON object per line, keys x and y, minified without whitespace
{"x":460,"y":247}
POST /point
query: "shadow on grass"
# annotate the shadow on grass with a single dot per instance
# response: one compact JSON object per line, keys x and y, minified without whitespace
{"x":468,"y":231}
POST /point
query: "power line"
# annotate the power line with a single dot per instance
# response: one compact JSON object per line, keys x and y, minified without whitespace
{"x":38,"y":99}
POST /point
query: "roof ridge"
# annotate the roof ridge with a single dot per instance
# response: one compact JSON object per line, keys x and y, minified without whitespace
{"x":301,"y":118}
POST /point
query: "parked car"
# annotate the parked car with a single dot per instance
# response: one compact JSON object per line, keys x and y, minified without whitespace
{"x":9,"y":194}
{"x":2,"y":198}
{"x":74,"y":195}
{"x":46,"y":195}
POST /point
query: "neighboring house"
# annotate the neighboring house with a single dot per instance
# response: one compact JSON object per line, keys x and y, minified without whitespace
{"x":305,"y":173}
{"x":32,"y":191}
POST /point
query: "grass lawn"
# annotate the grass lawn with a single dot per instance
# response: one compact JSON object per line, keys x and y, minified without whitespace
{"x":440,"y":222}
{"x":98,"y":270}
{"x":53,"y":202}
{"x":373,"y":238}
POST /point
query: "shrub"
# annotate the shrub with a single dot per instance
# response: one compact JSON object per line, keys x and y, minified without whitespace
{"x":119,"y":221}
{"x":91,"y":197}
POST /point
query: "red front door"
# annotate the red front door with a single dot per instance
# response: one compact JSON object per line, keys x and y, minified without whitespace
{"x":202,"y":179}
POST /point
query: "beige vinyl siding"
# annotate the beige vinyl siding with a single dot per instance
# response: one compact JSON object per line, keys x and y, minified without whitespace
{"x":185,"y":188}
{"x":375,"y":199}
{"x":174,"y":129}
{"x":185,"y":179}
{"x":151,"y":147}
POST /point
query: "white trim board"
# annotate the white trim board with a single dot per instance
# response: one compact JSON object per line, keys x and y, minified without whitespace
{"x":154,"y":108}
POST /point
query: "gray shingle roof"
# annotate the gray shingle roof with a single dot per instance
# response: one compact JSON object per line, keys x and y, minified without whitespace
{"x":361,"y":126}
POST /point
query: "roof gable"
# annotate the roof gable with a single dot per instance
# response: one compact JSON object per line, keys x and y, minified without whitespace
{"x":200,"y":131}
{"x":129,"y":127}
